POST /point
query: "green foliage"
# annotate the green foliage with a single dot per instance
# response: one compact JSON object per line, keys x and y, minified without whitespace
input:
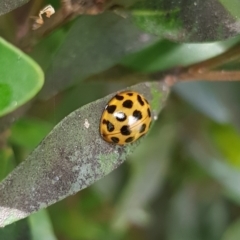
{"x":232,"y":7}
{"x":21,"y":78}
{"x":165,"y":54}
{"x":41,"y":227}
{"x":79,"y":150}
{"x":106,"y":32}
{"x":188,"y":21}
{"x":181,"y":181}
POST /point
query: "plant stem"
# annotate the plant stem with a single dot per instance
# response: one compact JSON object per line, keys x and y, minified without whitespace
{"x":210,"y":76}
{"x":202,"y":70}
{"x":69,"y":10}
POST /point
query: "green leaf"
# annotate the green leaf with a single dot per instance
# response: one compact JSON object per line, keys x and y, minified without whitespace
{"x":41,"y":227}
{"x":33,"y":131}
{"x":92,"y":45}
{"x":21,"y":78}
{"x":70,"y":158}
{"x":165,"y":54}
{"x":9,"y":5}
{"x":232,"y":6}
{"x":188,"y":21}
{"x":17,"y":231}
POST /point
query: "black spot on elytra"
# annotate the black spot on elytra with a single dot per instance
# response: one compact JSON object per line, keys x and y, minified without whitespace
{"x":122,"y":118}
{"x":110,"y":126}
{"x":118,"y":97}
{"x":125,"y":130}
{"x":115,"y":139}
{"x":137,"y":114}
{"x":130,"y":139}
{"x":149,"y":112}
{"x":140,"y":100}
{"x":128,"y":104}
{"x":129,"y":94}
{"x":111,"y":108}
{"x":142,"y":128}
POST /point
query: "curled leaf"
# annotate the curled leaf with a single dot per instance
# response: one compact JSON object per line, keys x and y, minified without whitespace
{"x":72,"y":157}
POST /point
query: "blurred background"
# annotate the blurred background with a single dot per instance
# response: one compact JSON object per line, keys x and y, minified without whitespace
{"x":182,"y":182}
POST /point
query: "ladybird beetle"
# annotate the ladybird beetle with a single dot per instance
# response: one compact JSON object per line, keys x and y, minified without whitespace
{"x":126,"y":117}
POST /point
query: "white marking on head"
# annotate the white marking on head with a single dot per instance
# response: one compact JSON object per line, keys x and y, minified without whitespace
{"x":119,"y":115}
